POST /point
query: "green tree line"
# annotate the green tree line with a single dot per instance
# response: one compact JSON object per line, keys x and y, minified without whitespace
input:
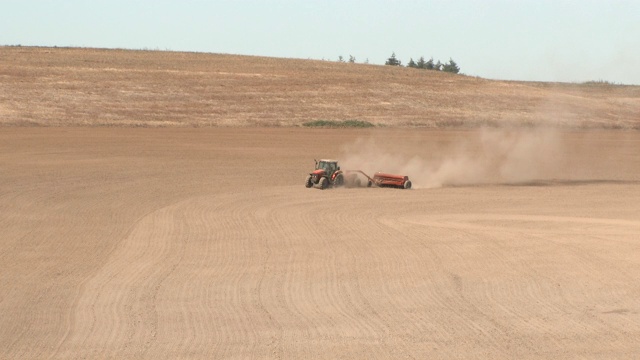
{"x":451,"y":66}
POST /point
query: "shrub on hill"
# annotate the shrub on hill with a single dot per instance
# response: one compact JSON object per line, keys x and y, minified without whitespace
{"x":599,"y":82}
{"x":339,"y":124}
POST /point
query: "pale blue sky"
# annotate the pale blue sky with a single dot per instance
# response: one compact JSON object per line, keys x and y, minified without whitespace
{"x":543,"y":40}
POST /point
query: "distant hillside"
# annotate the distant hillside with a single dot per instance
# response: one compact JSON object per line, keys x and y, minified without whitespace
{"x":97,"y":87}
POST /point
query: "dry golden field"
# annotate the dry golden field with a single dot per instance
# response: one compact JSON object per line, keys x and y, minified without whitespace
{"x":85,"y":87}
{"x":120,"y":240}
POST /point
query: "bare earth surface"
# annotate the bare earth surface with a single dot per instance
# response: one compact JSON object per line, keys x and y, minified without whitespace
{"x":204,"y":243}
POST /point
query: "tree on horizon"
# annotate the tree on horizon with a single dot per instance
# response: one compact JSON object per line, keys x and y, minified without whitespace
{"x":393,"y":60}
{"x":451,"y":67}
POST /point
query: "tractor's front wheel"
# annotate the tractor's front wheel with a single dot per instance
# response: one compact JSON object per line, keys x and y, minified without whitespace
{"x":323,"y":183}
{"x":407,"y":184}
{"x":309,"y":182}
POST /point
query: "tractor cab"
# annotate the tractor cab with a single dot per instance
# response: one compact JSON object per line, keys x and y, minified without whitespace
{"x":329,"y":166}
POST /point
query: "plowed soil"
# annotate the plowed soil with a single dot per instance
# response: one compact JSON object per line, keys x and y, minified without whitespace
{"x":204,"y":243}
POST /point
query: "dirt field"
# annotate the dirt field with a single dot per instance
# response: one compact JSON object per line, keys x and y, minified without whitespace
{"x":204,"y":243}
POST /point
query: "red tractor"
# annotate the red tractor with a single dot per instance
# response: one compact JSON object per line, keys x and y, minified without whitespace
{"x":326,"y":174}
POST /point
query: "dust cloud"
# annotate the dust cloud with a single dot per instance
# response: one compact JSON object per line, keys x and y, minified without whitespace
{"x":485,"y":156}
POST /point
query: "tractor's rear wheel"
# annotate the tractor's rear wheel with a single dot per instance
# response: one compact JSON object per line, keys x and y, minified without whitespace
{"x":309,"y":182}
{"x":338,"y":181}
{"x":323,"y":183}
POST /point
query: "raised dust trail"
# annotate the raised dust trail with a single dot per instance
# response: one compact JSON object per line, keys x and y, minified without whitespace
{"x":488,"y":156}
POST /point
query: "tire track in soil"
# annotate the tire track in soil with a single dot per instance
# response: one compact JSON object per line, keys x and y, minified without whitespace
{"x":116,"y":309}
{"x":551,"y":299}
{"x":121,"y":298}
{"x":66,"y":206}
{"x":125,"y":306}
